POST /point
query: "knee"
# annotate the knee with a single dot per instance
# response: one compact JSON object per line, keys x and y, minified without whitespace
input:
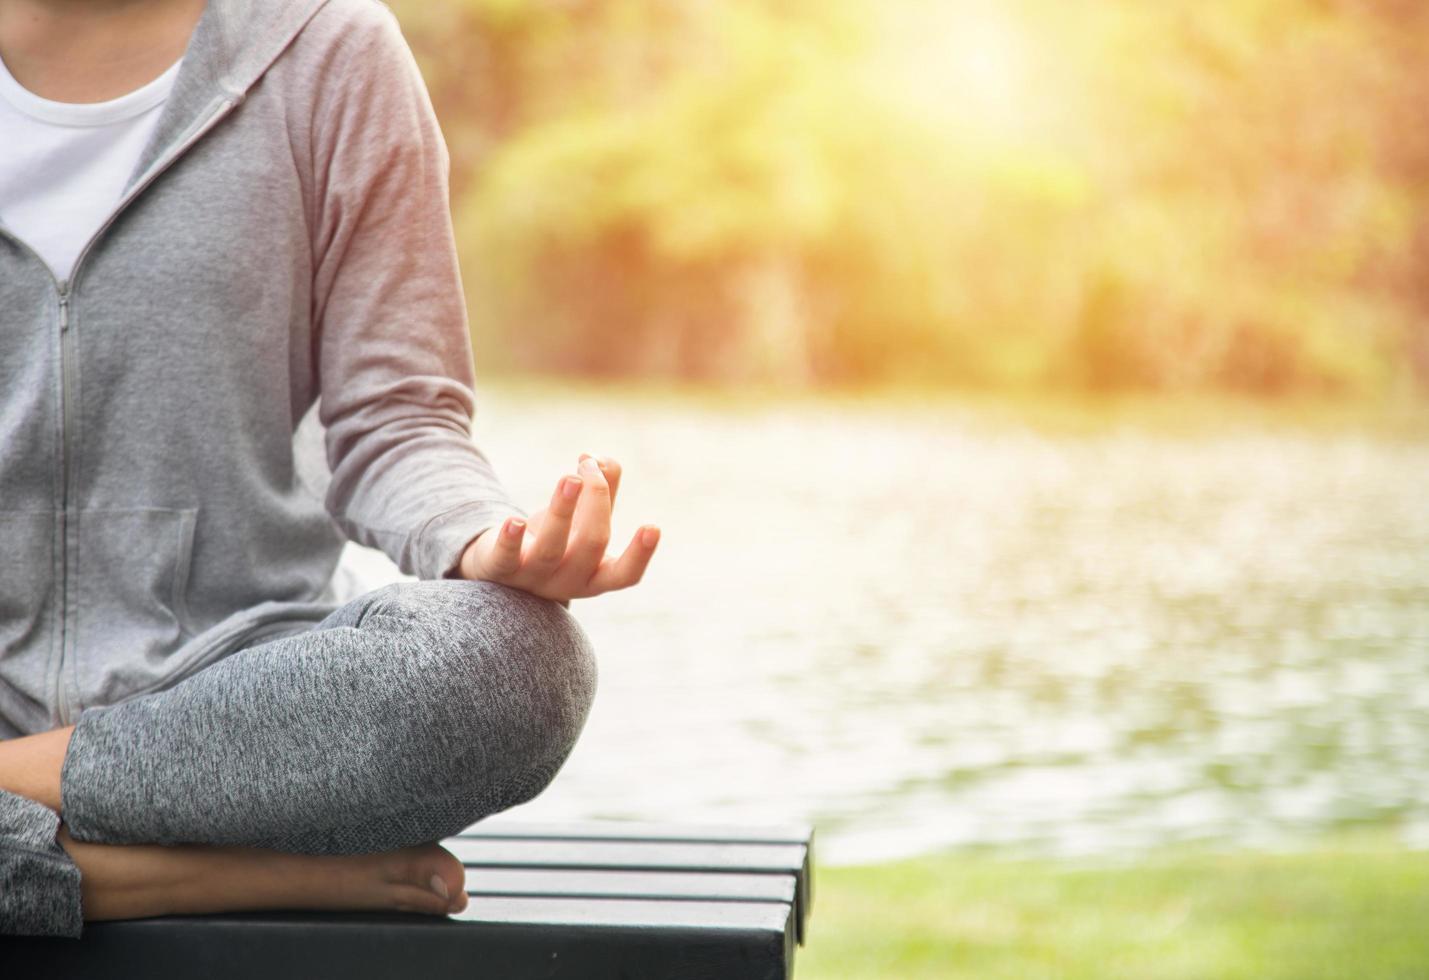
{"x":504,"y":682}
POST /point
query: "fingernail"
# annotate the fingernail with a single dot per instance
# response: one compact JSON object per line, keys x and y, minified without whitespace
{"x":590,"y":461}
{"x":571,"y":486}
{"x":440,"y":887}
{"x":649,"y":535}
{"x":515,"y":527}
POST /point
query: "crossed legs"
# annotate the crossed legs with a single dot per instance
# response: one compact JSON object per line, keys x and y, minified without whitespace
{"x":317,"y":770}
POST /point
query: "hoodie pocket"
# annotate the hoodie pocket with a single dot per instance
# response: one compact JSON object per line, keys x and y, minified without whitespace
{"x":131,"y":587}
{"x":27,"y":582}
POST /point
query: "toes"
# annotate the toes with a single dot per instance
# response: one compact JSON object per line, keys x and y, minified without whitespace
{"x":436,"y":880}
{"x":411,"y":898}
{"x":453,"y":875}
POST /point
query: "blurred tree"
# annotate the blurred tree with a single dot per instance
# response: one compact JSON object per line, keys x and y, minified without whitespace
{"x":1019,"y":193}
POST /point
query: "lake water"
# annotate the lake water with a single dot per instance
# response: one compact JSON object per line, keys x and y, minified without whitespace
{"x":924,"y":628}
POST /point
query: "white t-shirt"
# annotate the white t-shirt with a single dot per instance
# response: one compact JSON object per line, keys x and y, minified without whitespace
{"x":63,"y":165}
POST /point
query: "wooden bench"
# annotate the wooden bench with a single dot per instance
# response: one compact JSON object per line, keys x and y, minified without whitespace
{"x":592,"y":900}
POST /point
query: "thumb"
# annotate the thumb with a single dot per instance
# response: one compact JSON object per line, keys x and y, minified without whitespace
{"x":495,"y":553}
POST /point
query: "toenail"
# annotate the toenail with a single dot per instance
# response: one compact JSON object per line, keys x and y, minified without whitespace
{"x":439,"y":886}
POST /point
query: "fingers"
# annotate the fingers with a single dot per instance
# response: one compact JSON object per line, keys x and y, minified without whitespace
{"x":566,"y":556}
{"x":611,"y":469}
{"x":590,"y":532}
{"x":627,"y":570}
{"x":550,"y":545}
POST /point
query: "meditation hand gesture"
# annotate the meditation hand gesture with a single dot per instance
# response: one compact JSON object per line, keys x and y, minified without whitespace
{"x":564,"y":556}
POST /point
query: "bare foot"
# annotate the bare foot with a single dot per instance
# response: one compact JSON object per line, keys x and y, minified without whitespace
{"x":139,"y":881}
{"x":30,"y":766}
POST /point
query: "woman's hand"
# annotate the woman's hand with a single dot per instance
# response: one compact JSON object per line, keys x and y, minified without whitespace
{"x":563,"y":556}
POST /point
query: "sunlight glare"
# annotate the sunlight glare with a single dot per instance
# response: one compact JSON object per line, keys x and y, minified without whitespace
{"x":962,"y":65}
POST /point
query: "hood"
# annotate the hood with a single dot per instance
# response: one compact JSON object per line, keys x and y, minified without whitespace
{"x":232,"y":46}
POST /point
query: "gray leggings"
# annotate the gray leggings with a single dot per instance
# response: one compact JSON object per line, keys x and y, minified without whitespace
{"x":401,"y":718}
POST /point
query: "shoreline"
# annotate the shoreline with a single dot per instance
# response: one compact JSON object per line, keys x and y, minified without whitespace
{"x":1062,"y":413}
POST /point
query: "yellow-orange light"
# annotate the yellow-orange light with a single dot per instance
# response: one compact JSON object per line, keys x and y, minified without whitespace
{"x":959,"y":65}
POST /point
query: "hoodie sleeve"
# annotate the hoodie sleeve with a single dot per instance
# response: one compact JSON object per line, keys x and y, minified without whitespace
{"x":393,"y":352}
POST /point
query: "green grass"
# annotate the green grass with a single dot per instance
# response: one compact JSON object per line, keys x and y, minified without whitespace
{"x":1355,"y":907}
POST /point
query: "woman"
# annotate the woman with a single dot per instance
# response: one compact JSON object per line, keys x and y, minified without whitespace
{"x":212,"y":217}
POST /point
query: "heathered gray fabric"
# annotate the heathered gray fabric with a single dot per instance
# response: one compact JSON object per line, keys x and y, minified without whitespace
{"x":39,"y":884}
{"x":402,"y":718}
{"x":286,"y":236}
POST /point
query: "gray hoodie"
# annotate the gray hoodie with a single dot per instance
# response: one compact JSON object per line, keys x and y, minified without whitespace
{"x":286,"y":235}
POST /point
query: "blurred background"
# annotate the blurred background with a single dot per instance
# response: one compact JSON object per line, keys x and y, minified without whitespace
{"x":1023,"y":193}
{"x":1033,"y":399}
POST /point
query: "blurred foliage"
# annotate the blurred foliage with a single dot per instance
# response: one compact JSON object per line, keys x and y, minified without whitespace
{"x":1019,"y":193}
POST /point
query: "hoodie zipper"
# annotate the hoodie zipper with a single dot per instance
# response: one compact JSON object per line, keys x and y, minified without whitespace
{"x":69,"y":393}
{"x":67,"y":413}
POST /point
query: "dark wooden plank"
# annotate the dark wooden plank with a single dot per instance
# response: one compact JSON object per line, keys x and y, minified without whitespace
{"x":627,"y":913}
{"x":629,"y":855}
{"x":504,"y":826}
{"x":638,"y":830}
{"x":623,"y":943}
{"x":635,"y":855}
{"x":632,"y":884}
